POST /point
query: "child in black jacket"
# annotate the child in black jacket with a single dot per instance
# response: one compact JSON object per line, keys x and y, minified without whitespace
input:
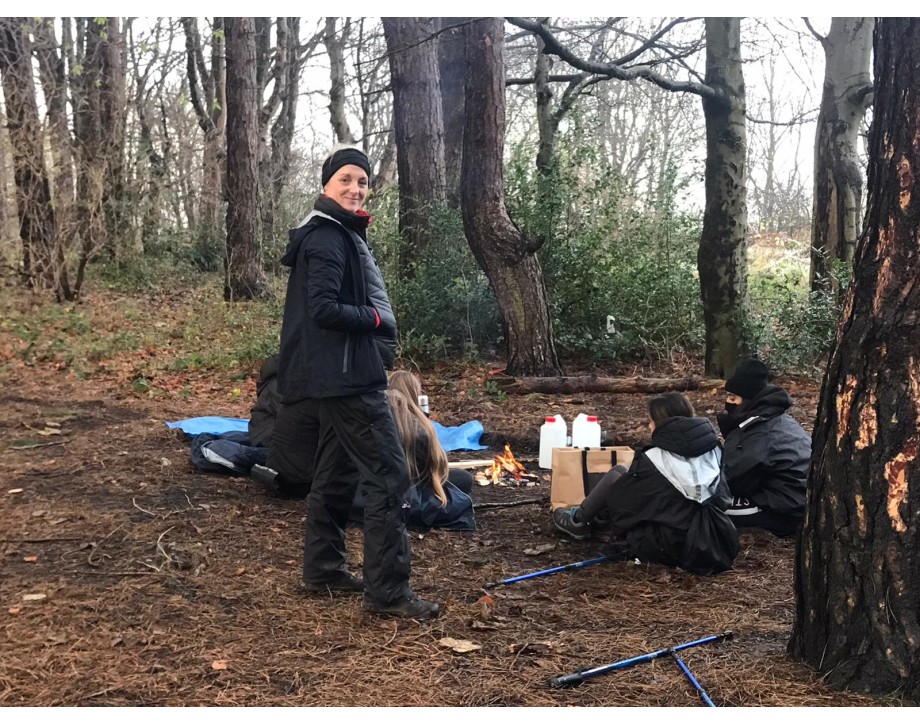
{"x":668,"y":508}
{"x":767,"y":453}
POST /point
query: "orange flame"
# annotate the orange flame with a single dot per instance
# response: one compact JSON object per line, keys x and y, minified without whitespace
{"x":506,"y":462}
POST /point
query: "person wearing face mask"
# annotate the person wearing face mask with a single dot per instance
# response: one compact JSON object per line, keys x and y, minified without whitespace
{"x":333,"y":365}
{"x":766,"y":452}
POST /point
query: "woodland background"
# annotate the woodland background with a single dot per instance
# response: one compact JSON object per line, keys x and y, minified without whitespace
{"x":593,"y":196}
{"x":125,"y":135}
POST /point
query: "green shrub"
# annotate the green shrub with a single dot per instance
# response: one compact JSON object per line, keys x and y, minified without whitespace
{"x":790,"y":326}
{"x":445,"y":306}
{"x":602,"y":256}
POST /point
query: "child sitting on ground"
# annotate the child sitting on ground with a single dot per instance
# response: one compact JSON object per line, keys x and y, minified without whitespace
{"x":668,"y":508}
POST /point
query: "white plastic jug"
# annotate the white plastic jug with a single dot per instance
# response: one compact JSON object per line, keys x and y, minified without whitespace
{"x":586,"y":432}
{"x":553,"y":434}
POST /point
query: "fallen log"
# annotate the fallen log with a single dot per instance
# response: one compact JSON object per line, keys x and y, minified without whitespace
{"x":593,"y":384}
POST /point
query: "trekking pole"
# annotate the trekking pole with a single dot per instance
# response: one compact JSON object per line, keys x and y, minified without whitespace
{"x":693,"y":680}
{"x":546,"y":572}
{"x":576,"y":678}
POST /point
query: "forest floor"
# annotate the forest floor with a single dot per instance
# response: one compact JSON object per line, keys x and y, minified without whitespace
{"x":130,"y":578}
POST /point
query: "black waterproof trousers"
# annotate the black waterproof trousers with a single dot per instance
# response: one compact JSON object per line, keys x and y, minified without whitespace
{"x":597,"y":502}
{"x":358,"y":432}
{"x":293,"y":447}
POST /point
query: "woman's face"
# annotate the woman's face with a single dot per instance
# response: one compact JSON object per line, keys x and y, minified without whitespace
{"x":348,"y":187}
{"x":733,"y":399}
{"x":651,"y":425}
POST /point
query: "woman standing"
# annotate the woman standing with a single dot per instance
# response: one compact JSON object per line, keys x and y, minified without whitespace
{"x":332,"y":361}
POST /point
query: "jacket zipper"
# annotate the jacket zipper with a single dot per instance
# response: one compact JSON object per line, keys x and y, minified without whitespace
{"x":345,"y":356}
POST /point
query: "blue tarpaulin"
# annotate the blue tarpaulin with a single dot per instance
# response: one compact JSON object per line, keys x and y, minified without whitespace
{"x":455,"y":438}
{"x":210,"y":424}
{"x":460,"y":438}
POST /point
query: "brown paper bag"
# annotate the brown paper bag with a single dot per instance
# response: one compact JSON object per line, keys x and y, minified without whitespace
{"x":577,"y":470}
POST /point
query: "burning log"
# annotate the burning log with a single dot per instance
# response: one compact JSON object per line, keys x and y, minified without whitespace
{"x":506,"y":470}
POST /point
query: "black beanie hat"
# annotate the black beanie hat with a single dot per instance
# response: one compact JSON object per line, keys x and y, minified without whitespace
{"x":344,"y":157}
{"x":749,"y":378}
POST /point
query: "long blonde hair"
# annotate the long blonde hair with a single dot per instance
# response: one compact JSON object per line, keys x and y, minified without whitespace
{"x":412,"y":423}
{"x":407,"y":384}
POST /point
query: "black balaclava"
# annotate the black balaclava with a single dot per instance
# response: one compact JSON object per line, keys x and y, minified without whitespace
{"x":749,"y":378}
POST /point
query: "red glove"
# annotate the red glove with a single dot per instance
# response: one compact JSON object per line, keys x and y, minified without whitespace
{"x":377,"y":315}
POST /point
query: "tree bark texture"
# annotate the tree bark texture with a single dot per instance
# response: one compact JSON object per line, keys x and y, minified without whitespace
{"x":591,"y":384}
{"x":335,"y":48}
{"x":41,"y":252}
{"x":53,"y":75}
{"x":498,"y":245}
{"x":6,"y":184}
{"x":245,"y":276}
{"x":282,"y":129}
{"x":452,"y":70}
{"x":722,"y":257}
{"x":858,"y":559}
{"x":208,"y":94}
{"x":838,"y":174}
{"x":114,"y":104}
{"x":89,"y":142}
{"x":419,"y":126}
{"x":547,"y":122}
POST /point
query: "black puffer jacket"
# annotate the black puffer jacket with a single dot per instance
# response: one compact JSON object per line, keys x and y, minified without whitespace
{"x":767,"y":453}
{"x":329,"y":332}
{"x":670,"y":505}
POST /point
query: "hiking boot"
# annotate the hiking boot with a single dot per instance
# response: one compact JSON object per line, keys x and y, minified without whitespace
{"x":410,"y":607}
{"x":344,"y":582}
{"x":564,"y":520}
{"x":264,"y":475}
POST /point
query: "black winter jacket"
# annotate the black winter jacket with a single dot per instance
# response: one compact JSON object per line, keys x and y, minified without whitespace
{"x":767,"y":453}
{"x":670,"y":505}
{"x":329,"y":344}
{"x":268,"y":400}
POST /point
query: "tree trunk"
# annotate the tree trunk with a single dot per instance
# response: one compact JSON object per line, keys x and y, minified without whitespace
{"x":386,"y":170}
{"x":838,"y":173}
{"x":858,"y":558}
{"x":415,"y":80}
{"x":208,"y":94}
{"x":91,"y":158}
{"x":53,"y":75}
{"x":722,"y":257}
{"x":335,"y":47}
{"x":547,"y":122}
{"x":282,"y":130}
{"x":42,"y":261}
{"x":452,"y":71}
{"x":114,"y":116}
{"x":245,"y":277}
{"x":498,"y":245}
{"x":6,"y":183}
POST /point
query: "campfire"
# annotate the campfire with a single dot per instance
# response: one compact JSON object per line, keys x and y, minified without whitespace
{"x":506,"y":470}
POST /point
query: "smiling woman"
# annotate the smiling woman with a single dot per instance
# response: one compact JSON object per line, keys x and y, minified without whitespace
{"x":345,"y":178}
{"x":338,"y":337}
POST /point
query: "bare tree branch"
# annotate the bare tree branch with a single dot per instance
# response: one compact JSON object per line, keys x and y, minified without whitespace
{"x":612,"y":70}
{"x":821,"y":38}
